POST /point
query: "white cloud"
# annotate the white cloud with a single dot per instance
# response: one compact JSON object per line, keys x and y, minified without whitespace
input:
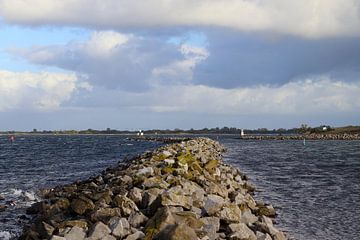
{"x":317,"y":95}
{"x":37,"y":91}
{"x":320,"y":95}
{"x":180,"y":71}
{"x":307,"y":18}
{"x":104,"y":43}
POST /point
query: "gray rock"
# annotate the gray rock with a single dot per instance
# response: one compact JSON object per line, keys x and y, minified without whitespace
{"x":279,"y":236}
{"x":104,"y":214}
{"x":2,"y":197}
{"x":197,"y":211}
{"x":230,"y":214}
{"x":266,"y":210}
{"x":268,"y":226}
{"x":75,"y":233}
{"x":147,"y":171}
{"x":167,"y":153}
{"x":120,"y":227}
{"x":262,"y":236}
{"x":239,"y":179}
{"x":136,"y":219}
{"x":213,"y":204}
{"x":241,"y":232}
{"x":135,"y":194}
{"x":250,"y":202}
{"x":127,"y":179}
{"x":108,"y":237}
{"x":169,"y":161}
{"x":82,"y":205}
{"x":211,"y":226}
{"x":188,"y":218}
{"x":162,"y":218}
{"x":98,"y":231}
{"x":149,"y":196}
{"x":135,"y":236}
{"x":44,"y":229}
{"x":248,"y":218}
{"x":125,"y":204}
{"x":55,"y":237}
{"x":177,"y":232}
{"x":173,"y":199}
{"x":239,"y":198}
{"x":155,"y":182}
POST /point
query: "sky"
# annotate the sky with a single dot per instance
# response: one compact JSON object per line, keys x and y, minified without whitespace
{"x":165,"y":64}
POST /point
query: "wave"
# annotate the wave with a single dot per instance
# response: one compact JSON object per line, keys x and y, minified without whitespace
{"x":5,"y":235}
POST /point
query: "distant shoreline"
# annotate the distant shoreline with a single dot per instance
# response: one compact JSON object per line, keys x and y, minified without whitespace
{"x":163,"y":137}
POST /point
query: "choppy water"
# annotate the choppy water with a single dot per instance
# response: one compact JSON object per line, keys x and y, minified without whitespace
{"x":33,"y":162}
{"x":316,"y":188}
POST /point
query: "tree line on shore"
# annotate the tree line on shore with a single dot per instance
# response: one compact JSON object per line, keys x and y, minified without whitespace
{"x":224,"y":130}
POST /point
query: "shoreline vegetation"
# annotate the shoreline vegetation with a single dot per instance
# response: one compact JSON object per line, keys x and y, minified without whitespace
{"x":179,"y":191}
{"x":304,"y":132}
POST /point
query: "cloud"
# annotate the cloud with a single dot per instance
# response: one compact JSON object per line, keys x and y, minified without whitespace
{"x":244,"y":59}
{"x":127,"y":62}
{"x":307,"y":18}
{"x":37,"y":91}
{"x":318,"y":95}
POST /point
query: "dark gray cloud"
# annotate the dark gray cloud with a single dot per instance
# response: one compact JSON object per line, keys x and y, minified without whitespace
{"x":243,"y":59}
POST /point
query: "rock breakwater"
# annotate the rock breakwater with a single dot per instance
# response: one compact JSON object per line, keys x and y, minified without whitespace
{"x":179,"y":191}
{"x":342,"y":136}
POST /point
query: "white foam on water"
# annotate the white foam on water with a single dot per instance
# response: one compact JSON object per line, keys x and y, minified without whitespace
{"x":22,"y":198}
{"x":16,"y":192}
{"x":29,"y":196}
{"x":4,"y":235}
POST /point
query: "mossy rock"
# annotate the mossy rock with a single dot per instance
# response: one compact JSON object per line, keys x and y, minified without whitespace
{"x":188,"y":218}
{"x":188,"y":175}
{"x":211,"y":166}
{"x":158,"y":222}
{"x":186,"y":158}
{"x":138,"y":180}
{"x":62,"y":203}
{"x":82,"y":205}
{"x":196,"y":166}
{"x":167,"y":170}
{"x":74,"y":223}
{"x":159,"y":157}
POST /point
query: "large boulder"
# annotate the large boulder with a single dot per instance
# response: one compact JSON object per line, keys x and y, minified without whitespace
{"x":104,"y":214}
{"x":177,"y":232}
{"x":173,"y":199}
{"x":240,"y":231}
{"x":162,"y":218}
{"x":99,"y":231}
{"x":211,"y":227}
{"x":126,"y":205}
{"x":230,"y":213}
{"x":75,"y":233}
{"x":119,"y":227}
{"x":137,"y":219}
{"x":213,"y":204}
{"x":81,"y":205}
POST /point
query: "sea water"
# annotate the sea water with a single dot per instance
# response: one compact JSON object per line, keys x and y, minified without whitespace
{"x":33,"y":162}
{"x":315,"y":188}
